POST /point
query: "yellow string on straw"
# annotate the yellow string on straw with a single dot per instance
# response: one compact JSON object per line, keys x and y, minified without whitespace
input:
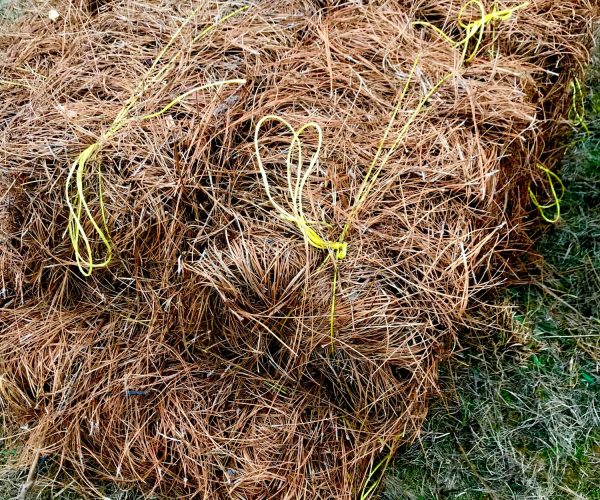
{"x":75,"y":194}
{"x":577,"y":118}
{"x":577,"y":111}
{"x":557,"y":198}
{"x":295,"y":212}
{"x":474,"y":30}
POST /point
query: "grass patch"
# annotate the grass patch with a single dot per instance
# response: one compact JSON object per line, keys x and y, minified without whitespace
{"x":10,"y":10}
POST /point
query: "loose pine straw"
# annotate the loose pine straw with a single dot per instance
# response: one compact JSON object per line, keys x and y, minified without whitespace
{"x":197,"y":359}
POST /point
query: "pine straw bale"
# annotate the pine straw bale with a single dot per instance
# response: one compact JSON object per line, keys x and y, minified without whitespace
{"x":199,"y":362}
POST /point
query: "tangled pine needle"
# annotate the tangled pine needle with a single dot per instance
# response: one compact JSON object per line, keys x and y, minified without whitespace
{"x":189,"y":351}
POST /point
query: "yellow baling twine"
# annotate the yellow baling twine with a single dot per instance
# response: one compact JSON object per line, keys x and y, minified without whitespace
{"x":557,"y":198}
{"x":295,"y":214}
{"x":376,"y":474}
{"x":577,"y":111}
{"x":577,"y":119}
{"x":475,"y":28}
{"x":75,"y":195}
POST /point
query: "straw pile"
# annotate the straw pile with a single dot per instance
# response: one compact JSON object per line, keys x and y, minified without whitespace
{"x":200,"y":360}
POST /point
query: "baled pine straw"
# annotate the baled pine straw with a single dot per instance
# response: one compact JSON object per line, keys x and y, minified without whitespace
{"x":200,"y":360}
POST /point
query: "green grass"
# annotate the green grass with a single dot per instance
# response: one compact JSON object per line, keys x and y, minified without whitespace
{"x":10,"y":10}
{"x":522,"y":414}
